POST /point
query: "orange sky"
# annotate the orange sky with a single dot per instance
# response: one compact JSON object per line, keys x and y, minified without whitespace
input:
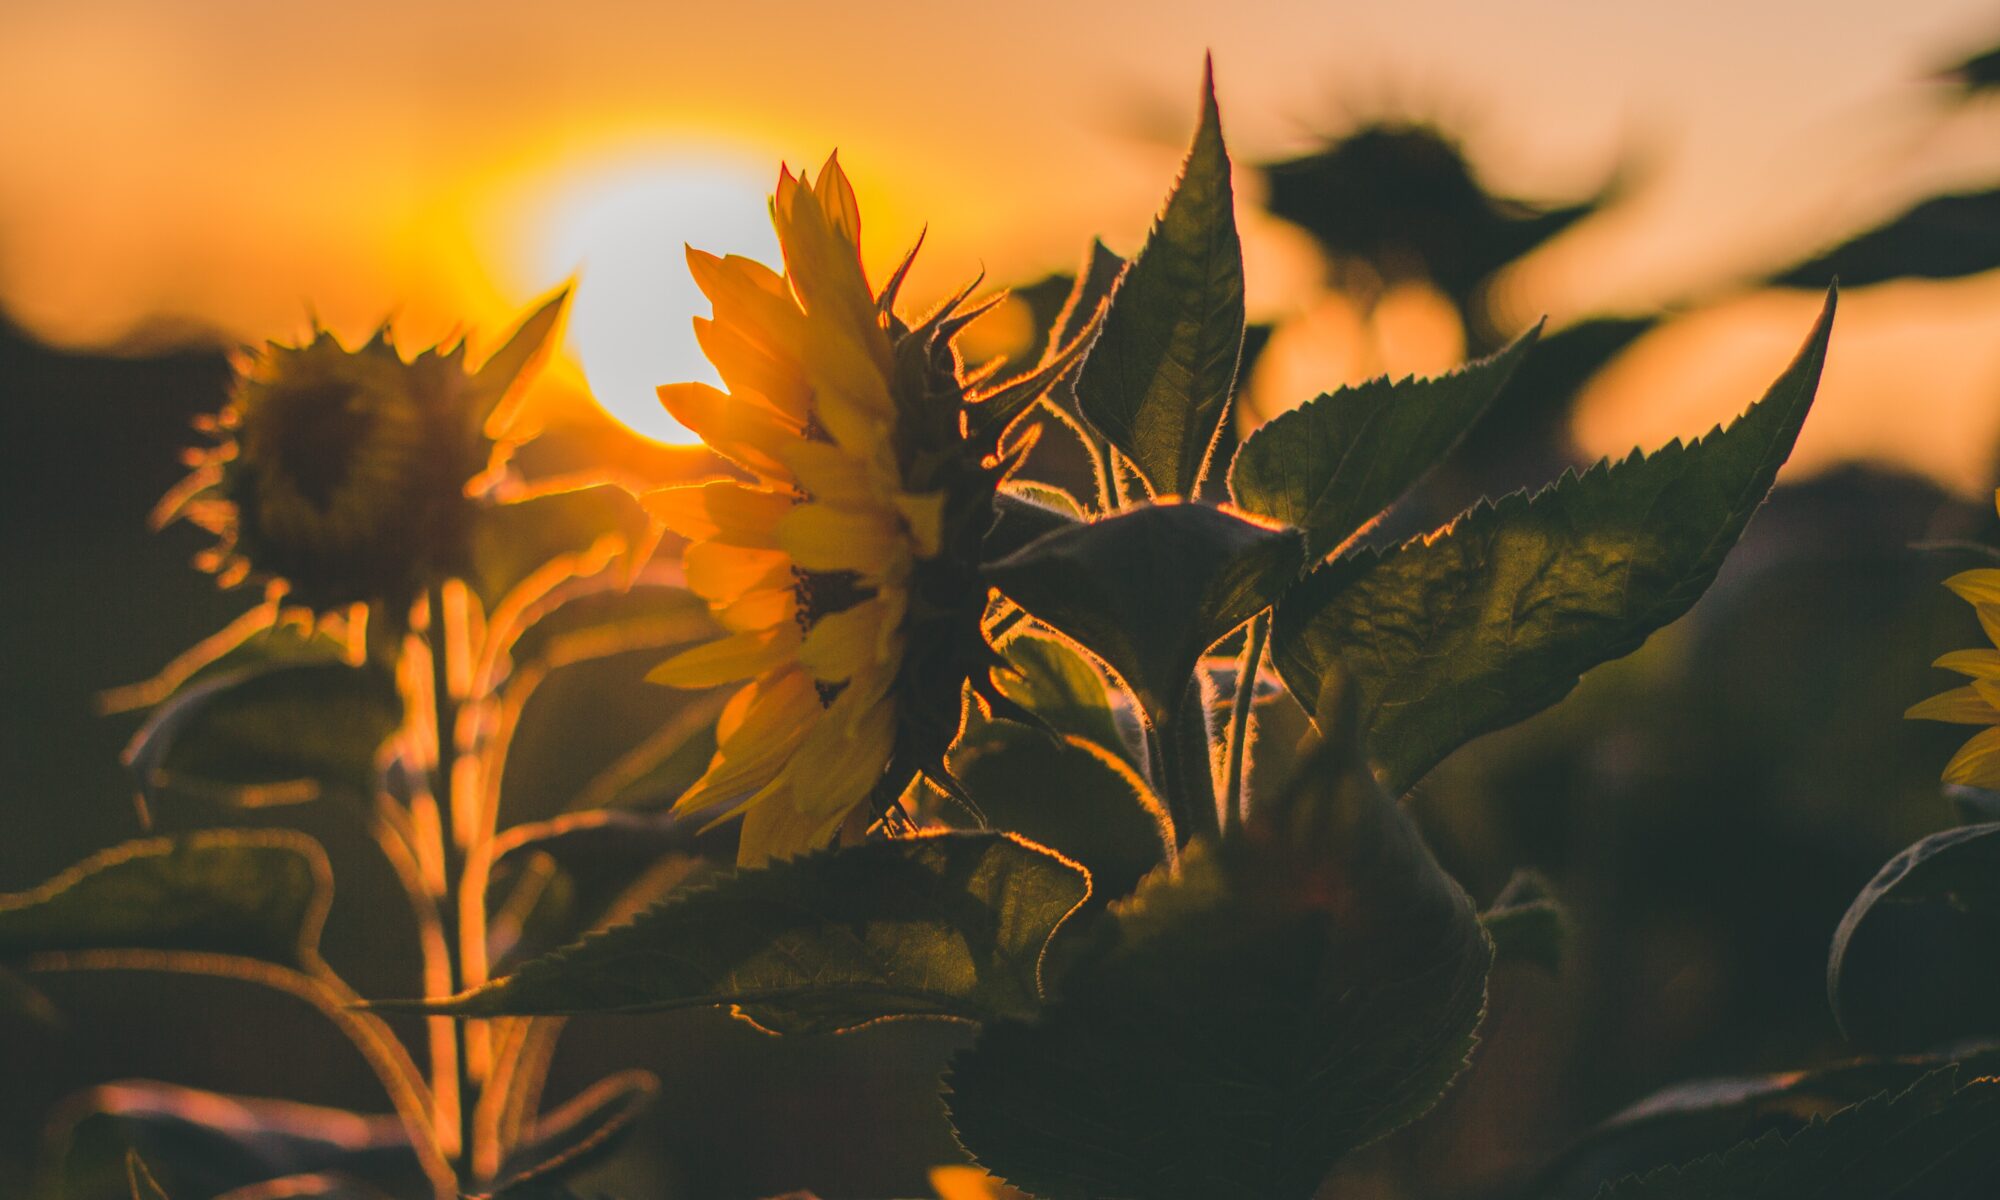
{"x":228,"y":163}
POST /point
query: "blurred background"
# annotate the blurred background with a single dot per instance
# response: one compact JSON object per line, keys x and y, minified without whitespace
{"x":1672,"y":186}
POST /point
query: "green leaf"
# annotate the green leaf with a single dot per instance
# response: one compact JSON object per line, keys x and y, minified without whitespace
{"x":259,"y":893}
{"x":1938,"y":1138}
{"x":1061,"y":687}
{"x":953,"y":925}
{"x":559,"y":534}
{"x":1158,"y":381}
{"x":271,"y":734}
{"x":1526,"y":923}
{"x":1022,"y":514}
{"x":1284,"y":999}
{"x":1069,"y":794}
{"x":1916,"y":960}
{"x":1148,"y":590}
{"x":1688,"y":1120}
{"x":1496,"y":616}
{"x":1335,"y":463}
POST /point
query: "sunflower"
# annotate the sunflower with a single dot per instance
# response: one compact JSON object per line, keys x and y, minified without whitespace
{"x":347,"y":476}
{"x":1977,"y":763}
{"x":846,"y":569}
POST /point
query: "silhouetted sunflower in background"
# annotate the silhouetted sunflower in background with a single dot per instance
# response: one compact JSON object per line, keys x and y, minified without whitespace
{"x":349,"y":476}
{"x":848,"y":571}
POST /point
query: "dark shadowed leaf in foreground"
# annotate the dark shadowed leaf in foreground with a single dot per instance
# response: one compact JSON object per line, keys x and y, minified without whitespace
{"x":952,"y":925}
{"x":1496,"y":616}
{"x":1286,"y":998}
{"x":1937,"y":1140}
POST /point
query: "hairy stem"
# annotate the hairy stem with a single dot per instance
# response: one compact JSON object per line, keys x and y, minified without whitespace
{"x":1240,"y":706}
{"x":1179,"y":748}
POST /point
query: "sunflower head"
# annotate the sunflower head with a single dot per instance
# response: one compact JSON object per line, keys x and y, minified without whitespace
{"x":346,"y":476}
{"x":846,"y":564}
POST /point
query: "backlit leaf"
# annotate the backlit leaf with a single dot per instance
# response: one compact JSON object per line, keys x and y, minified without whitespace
{"x":951,"y":925}
{"x":1158,"y":380}
{"x":578,"y":531}
{"x":1150,"y":589}
{"x":1496,"y":616}
{"x":257,"y":893}
{"x":1333,"y":464}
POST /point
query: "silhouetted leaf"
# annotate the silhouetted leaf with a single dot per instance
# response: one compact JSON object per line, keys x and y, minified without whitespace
{"x":1020,"y":515}
{"x":1977,"y":72}
{"x":1916,"y":960}
{"x":1947,"y":237}
{"x":575,"y":532}
{"x":502,"y":379}
{"x":271,"y":733}
{"x":1333,"y":464}
{"x":1158,"y":381}
{"x":1150,"y":589}
{"x":945,"y":926}
{"x":260,"y":893}
{"x":1685,"y":1121}
{"x":1284,"y":999}
{"x":1496,"y":616}
{"x":1526,"y":923}
{"x":1937,"y":1139}
{"x":1069,"y":794}
{"x":144,"y":1186}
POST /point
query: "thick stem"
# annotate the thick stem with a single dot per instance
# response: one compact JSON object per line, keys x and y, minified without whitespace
{"x":1183,"y":767}
{"x":1240,"y":706}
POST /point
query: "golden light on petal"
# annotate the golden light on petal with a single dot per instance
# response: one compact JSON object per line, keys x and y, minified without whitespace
{"x":624,"y":228}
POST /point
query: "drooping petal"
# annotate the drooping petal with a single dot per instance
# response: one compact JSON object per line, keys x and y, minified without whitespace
{"x":747,"y":433}
{"x":763,"y":724}
{"x":1977,"y":763}
{"x":726,"y":660}
{"x":840,"y":645}
{"x":725,"y":511}
{"x":720,"y":574}
{"x":1962,"y":706}
{"x":1979,"y":664}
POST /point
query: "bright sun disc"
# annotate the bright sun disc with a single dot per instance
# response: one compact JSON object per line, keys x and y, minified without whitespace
{"x":625,"y":231}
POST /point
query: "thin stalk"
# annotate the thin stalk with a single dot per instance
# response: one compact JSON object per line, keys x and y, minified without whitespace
{"x":453,"y":835}
{"x":1240,"y":706}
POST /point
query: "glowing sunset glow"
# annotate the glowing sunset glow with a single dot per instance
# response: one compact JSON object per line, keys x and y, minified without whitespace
{"x":624,"y":232}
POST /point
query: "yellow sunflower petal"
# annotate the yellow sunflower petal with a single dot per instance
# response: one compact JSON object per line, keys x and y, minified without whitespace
{"x":839,"y":645}
{"x":776,"y":829}
{"x":726,"y":660}
{"x":1961,"y":706}
{"x":820,"y":537}
{"x":744,"y":366}
{"x":720,"y":574}
{"x":831,"y":475}
{"x":1977,"y":763}
{"x":748,"y":433}
{"x":1981,"y":586}
{"x":1979,"y":664}
{"x":843,"y":755}
{"x":761,"y":609}
{"x":734,"y":514}
{"x":769,"y":720}
{"x":924,"y":514}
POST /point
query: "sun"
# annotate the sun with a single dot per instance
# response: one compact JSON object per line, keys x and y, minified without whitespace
{"x":624,"y":230}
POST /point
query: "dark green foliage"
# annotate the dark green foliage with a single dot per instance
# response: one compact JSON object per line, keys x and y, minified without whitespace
{"x":1526,"y":923}
{"x":1284,"y":999}
{"x":1937,"y":1140}
{"x":945,"y":926}
{"x":1150,"y":589}
{"x":1916,"y":960}
{"x":1022,"y":515}
{"x":1332,"y":465}
{"x":282,"y":731}
{"x":1158,"y":381}
{"x":1496,"y":616}
{"x":256,"y":893}
{"x":144,"y":1186}
{"x":576,"y":1135}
